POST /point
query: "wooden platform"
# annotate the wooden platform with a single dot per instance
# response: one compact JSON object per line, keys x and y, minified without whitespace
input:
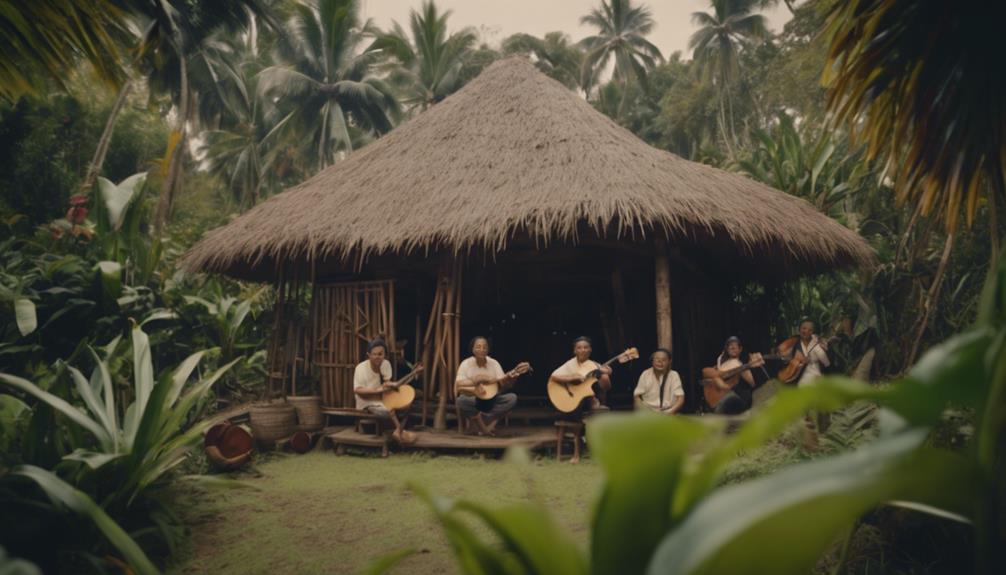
{"x":529,"y":437}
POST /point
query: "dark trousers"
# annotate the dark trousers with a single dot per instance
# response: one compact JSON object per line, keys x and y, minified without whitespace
{"x":732,"y":404}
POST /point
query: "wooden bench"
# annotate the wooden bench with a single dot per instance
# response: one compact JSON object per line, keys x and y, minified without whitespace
{"x":355,"y":438}
{"x":360,"y":418}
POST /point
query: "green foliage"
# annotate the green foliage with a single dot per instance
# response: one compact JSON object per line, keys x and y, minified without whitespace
{"x":323,"y":83}
{"x":426,"y":67}
{"x":116,"y":453}
{"x":621,"y":37}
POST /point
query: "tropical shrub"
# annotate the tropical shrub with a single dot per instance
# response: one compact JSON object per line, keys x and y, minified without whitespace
{"x":111,"y":458}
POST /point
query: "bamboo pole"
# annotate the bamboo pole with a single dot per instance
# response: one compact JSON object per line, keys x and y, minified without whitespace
{"x":662,"y":286}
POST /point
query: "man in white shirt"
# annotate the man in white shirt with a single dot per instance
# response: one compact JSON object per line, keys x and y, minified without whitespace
{"x":659,"y":388}
{"x":371,"y":378}
{"x":474,"y":374}
{"x":815,"y":352}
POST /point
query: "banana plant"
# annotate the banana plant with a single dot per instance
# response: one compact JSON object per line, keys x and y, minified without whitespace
{"x":660,"y":509}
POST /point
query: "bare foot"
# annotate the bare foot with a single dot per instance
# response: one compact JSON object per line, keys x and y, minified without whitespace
{"x":482,"y":429}
{"x":575,"y":459}
{"x":397,"y":435}
{"x":408,"y":437}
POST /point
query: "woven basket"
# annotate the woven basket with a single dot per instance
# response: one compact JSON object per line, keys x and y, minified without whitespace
{"x":309,"y":416}
{"x":272,"y":421}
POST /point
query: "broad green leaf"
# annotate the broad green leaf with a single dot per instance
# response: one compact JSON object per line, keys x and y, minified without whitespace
{"x":24,"y":315}
{"x":474,"y":556}
{"x":387,"y":562}
{"x":783,"y":522}
{"x":116,"y":198}
{"x":788,"y":405}
{"x":65,"y":494}
{"x":12,"y":411}
{"x":59,"y":404}
{"x":642,"y":455}
{"x":951,"y":372}
{"x":101,"y":374}
{"x":93,"y":459}
{"x":211,"y":307}
{"x":529,"y":532}
{"x":110,"y":279}
{"x":158,"y":315}
{"x":181,"y":375}
{"x":93,"y":403}
{"x":143,"y":377}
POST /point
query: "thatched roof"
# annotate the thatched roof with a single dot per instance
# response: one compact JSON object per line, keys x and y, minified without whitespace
{"x":516,"y":152}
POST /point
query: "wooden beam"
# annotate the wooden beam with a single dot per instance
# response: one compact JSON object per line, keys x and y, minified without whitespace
{"x":662,"y":286}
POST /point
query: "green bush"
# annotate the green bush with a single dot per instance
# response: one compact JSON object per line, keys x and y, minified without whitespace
{"x":113,"y":458}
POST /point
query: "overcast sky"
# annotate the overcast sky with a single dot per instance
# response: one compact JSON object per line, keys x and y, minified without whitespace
{"x":497,"y":19}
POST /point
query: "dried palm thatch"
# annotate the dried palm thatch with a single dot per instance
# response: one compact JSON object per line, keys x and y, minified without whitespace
{"x":516,"y":152}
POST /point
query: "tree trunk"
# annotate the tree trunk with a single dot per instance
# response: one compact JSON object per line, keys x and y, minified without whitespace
{"x":94,"y":168}
{"x":723,"y":124}
{"x":168,"y":187}
{"x":662,"y":287}
{"x":930,"y":301}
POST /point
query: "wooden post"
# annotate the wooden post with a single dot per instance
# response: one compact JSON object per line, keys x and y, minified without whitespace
{"x":662,"y":287}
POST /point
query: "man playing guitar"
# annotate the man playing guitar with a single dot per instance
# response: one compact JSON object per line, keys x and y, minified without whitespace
{"x":815,"y":353}
{"x":477,"y":373}
{"x":738,"y":400}
{"x":371,"y":378}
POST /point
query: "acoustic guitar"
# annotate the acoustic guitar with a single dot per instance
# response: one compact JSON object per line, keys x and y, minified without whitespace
{"x":487,"y":387}
{"x":729,"y":374}
{"x":403,"y":393}
{"x":566,"y":397}
{"x":791,"y":351}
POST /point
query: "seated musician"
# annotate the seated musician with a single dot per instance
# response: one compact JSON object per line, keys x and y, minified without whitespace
{"x":659,"y":388}
{"x":473,"y":373}
{"x":372,"y":378}
{"x":739,"y":398}
{"x":576,"y":371}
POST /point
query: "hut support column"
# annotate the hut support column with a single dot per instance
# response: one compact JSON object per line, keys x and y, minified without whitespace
{"x":442,"y":343}
{"x":662,"y":287}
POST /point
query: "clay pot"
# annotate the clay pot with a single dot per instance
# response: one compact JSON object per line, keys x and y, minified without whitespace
{"x":301,"y":442}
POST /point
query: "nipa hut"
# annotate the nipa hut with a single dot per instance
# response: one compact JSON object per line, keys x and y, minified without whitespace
{"x":516,"y":210}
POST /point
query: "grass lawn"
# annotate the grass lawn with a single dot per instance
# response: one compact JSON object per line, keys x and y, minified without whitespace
{"x":319,"y":513}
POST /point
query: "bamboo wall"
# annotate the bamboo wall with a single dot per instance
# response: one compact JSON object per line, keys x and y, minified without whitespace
{"x":344,"y":318}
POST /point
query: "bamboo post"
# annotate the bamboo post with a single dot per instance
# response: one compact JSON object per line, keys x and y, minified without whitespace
{"x":662,"y":287}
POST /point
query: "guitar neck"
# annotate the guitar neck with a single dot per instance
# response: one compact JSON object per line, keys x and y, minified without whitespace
{"x":407,"y":378}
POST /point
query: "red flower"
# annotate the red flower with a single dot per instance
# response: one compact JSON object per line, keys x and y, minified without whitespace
{"x":78,"y":200}
{"x":76,"y":215}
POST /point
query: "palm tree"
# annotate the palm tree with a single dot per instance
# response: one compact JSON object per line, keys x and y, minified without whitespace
{"x":555,"y":55}
{"x":919,"y":87}
{"x":47,"y":38}
{"x":428,"y":66}
{"x":716,"y":48}
{"x":174,"y":33}
{"x":622,"y":30}
{"x":327,"y":87}
{"x":243,"y":147}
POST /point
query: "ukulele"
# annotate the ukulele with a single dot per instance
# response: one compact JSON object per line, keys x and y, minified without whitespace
{"x":791,"y":351}
{"x":403,"y":393}
{"x":487,"y":387}
{"x":729,"y":374}
{"x":567,"y":396}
